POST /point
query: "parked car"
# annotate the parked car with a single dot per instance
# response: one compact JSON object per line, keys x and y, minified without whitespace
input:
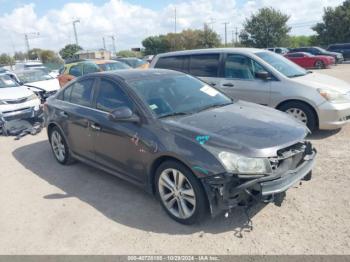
{"x":148,"y":58}
{"x":279,"y":50}
{"x":133,"y":62}
{"x":269,"y":79}
{"x":318,"y":51}
{"x":177,"y":137}
{"x":307,"y":60}
{"x":16,"y":102}
{"x":41,"y":83}
{"x":35,"y":65}
{"x":344,"y":49}
{"x":83,"y":67}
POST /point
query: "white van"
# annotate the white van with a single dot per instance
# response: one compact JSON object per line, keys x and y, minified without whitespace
{"x":266,"y":78}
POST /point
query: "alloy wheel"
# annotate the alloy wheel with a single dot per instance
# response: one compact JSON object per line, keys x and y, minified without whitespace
{"x":298,"y":114}
{"x":58,"y":146}
{"x":176,"y":193}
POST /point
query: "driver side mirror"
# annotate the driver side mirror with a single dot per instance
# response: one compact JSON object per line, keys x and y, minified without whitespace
{"x":263,"y":75}
{"x":124,"y":114}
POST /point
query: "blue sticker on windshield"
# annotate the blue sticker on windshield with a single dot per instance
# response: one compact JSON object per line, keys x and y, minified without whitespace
{"x":202,"y":139}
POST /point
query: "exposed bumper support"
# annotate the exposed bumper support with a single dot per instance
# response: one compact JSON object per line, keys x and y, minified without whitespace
{"x":227,"y":191}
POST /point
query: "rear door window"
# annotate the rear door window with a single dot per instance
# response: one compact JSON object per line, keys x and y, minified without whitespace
{"x":205,"y":65}
{"x":177,"y":63}
{"x":90,"y":68}
{"x":76,"y":70}
{"x":81,"y":93}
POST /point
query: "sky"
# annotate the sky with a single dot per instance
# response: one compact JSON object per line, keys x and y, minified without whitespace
{"x":49,"y":23}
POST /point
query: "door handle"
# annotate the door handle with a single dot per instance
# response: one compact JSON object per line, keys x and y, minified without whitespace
{"x":228,"y":84}
{"x":212,"y":84}
{"x":63,"y":114}
{"x":95,"y":126}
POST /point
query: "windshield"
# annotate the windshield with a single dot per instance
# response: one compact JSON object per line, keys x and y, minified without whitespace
{"x":281,"y":64}
{"x":134,"y":62}
{"x":32,"y":76}
{"x":177,"y":94}
{"x":6,"y":81}
{"x":113,"y":66}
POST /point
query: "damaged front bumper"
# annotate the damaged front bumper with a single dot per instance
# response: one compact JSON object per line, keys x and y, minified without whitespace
{"x":226,"y":191}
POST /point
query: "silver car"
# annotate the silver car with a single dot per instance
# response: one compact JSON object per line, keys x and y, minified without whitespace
{"x":266,"y":78}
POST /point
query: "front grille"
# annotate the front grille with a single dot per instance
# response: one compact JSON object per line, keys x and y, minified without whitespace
{"x":16,"y":101}
{"x":290,"y":157}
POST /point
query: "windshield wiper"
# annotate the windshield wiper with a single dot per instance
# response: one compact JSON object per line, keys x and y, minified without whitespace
{"x":296,"y":75}
{"x":213,"y":106}
{"x":174,"y":114}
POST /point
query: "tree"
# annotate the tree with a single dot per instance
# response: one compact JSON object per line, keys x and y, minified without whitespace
{"x":5,"y":59}
{"x":299,"y":41}
{"x":187,"y":39}
{"x":335,"y":27}
{"x":267,"y":28}
{"x":69,"y":50}
{"x":19,"y":56}
{"x":155,"y":45}
{"x":208,"y":38}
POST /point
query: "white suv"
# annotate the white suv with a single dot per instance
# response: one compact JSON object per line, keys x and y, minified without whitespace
{"x":16,"y":102}
{"x":266,"y":78}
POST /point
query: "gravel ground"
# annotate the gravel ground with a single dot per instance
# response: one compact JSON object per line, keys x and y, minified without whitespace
{"x":47,"y":208}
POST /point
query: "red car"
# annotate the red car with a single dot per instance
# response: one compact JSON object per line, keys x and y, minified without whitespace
{"x":307,"y":60}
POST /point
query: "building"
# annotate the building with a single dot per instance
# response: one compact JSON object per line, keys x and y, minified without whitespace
{"x":93,"y":54}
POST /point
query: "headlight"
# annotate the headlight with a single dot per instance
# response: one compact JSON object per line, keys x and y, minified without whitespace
{"x":32,"y":97}
{"x":244,"y":165}
{"x":333,"y":96}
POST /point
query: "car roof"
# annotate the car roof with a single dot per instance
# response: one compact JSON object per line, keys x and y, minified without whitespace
{"x":212,"y":50}
{"x":137,"y":74}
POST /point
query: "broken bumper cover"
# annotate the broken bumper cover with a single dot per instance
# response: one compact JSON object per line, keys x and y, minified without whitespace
{"x":227,"y":191}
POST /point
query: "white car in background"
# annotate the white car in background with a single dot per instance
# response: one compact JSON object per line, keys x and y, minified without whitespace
{"x":38,"y":81}
{"x":17,"y":102}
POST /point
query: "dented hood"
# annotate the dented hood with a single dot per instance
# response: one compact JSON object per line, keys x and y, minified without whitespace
{"x":242,"y":127}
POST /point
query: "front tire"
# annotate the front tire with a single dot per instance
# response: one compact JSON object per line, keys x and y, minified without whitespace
{"x":60,"y":147}
{"x":180,"y":193}
{"x":319,"y":64}
{"x":302,"y":112}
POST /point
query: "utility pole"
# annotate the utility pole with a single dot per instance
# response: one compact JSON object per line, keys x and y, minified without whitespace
{"x":175,"y":20}
{"x":28,"y":36}
{"x":26,"y":40}
{"x":113,"y":44}
{"x":211,"y":23}
{"x":226,"y":23}
{"x":75,"y":31}
{"x":236,"y":34}
{"x":104,"y":43}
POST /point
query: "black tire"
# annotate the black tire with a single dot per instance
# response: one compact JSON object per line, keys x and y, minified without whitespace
{"x":319,"y":64}
{"x":68,"y":159}
{"x":309,"y":112}
{"x":201,"y":206}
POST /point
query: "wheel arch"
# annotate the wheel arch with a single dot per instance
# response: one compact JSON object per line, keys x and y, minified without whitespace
{"x":300,"y":101}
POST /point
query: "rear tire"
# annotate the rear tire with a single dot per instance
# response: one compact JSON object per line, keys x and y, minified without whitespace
{"x":301,"y":111}
{"x":60,"y":147}
{"x":180,"y":193}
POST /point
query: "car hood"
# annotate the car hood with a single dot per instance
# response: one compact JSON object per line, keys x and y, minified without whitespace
{"x":317,"y":80}
{"x":242,"y":127}
{"x":14,"y":92}
{"x":47,"y":85}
